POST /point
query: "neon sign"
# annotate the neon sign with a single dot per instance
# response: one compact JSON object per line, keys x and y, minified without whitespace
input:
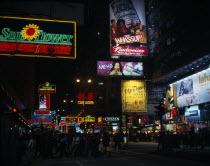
{"x":37,"y":37}
{"x":47,"y":88}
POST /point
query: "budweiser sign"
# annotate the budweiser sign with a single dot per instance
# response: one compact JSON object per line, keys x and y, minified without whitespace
{"x":126,"y":50}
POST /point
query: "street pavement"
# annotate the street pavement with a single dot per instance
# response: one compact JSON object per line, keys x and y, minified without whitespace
{"x":136,"y":154}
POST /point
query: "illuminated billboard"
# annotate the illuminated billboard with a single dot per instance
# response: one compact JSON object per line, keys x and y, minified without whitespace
{"x":116,"y":68}
{"x":133,"y":96}
{"x":194,"y":89}
{"x":192,"y":113}
{"x":41,"y":119}
{"x":32,"y":37}
{"x":127,"y":28}
{"x":44,"y":101}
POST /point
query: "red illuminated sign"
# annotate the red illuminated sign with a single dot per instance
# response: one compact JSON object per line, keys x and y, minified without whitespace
{"x":82,"y":96}
{"x":35,"y":48}
{"x":42,"y":112}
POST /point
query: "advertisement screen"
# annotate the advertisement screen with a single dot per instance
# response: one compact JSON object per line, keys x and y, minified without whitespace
{"x":133,"y":96}
{"x":44,"y":102}
{"x":194,"y":89}
{"x":32,"y":37}
{"x":116,"y":68}
{"x":127,"y":28}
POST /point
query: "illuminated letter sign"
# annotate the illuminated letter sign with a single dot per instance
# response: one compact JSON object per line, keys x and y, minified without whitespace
{"x":37,"y":37}
{"x":47,"y":88}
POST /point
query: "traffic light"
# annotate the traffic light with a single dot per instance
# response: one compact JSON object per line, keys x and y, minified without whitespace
{"x":160,"y":110}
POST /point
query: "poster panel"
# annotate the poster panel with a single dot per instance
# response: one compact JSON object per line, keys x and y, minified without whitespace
{"x":117,"y":68}
{"x":133,"y":96}
{"x":127,"y":28}
{"x":194,"y":89}
{"x":44,"y":102}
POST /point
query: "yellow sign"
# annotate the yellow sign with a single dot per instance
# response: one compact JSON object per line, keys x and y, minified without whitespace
{"x":100,"y":119}
{"x":47,"y":88}
{"x":89,"y":118}
{"x":133,"y":96}
{"x":85,"y":102}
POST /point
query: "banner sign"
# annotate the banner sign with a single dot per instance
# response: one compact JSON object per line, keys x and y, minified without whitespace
{"x":74,"y":119}
{"x":41,"y":119}
{"x":194,"y":89}
{"x":44,"y":101}
{"x":133,"y":96}
{"x":47,"y":88}
{"x":41,"y":112}
{"x":127,"y":28}
{"x":112,"y":119}
{"x":85,"y":102}
{"x":116,"y":68}
{"x":89,"y":118}
{"x":32,"y":37}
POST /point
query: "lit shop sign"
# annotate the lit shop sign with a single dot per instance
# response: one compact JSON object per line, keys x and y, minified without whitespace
{"x":117,"y":68}
{"x":47,"y":88}
{"x":127,"y":28}
{"x":193,"y":90}
{"x":192,"y":113}
{"x":89,"y":118}
{"x":112,"y":119}
{"x":74,"y":119}
{"x":37,"y":37}
{"x":40,"y":112}
{"x":85,"y":98}
{"x":85,"y":102}
{"x":41,"y":119}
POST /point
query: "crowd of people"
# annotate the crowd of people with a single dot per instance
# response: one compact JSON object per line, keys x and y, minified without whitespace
{"x":51,"y":144}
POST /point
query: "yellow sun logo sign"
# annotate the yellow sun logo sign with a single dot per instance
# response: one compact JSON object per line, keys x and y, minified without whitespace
{"x":30,"y":31}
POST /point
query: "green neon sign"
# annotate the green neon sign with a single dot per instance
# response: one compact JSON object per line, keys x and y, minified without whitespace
{"x":43,"y":37}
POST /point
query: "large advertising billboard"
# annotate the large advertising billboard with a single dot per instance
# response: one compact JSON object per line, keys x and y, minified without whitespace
{"x":194,"y":89}
{"x":117,"y":68}
{"x":127,"y":28}
{"x":32,"y":37}
{"x":133,"y":96}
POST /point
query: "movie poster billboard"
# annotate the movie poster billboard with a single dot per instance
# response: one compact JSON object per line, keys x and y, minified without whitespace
{"x":133,"y":94}
{"x":127,"y":28}
{"x":194,"y":89}
{"x":31,"y":37}
{"x":117,"y":68}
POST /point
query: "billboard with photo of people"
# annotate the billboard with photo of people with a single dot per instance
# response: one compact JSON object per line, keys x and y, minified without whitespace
{"x":127,"y":28}
{"x":117,"y":68}
{"x":194,"y":89}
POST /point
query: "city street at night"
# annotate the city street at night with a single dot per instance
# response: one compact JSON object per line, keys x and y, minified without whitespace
{"x":104,"y":83}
